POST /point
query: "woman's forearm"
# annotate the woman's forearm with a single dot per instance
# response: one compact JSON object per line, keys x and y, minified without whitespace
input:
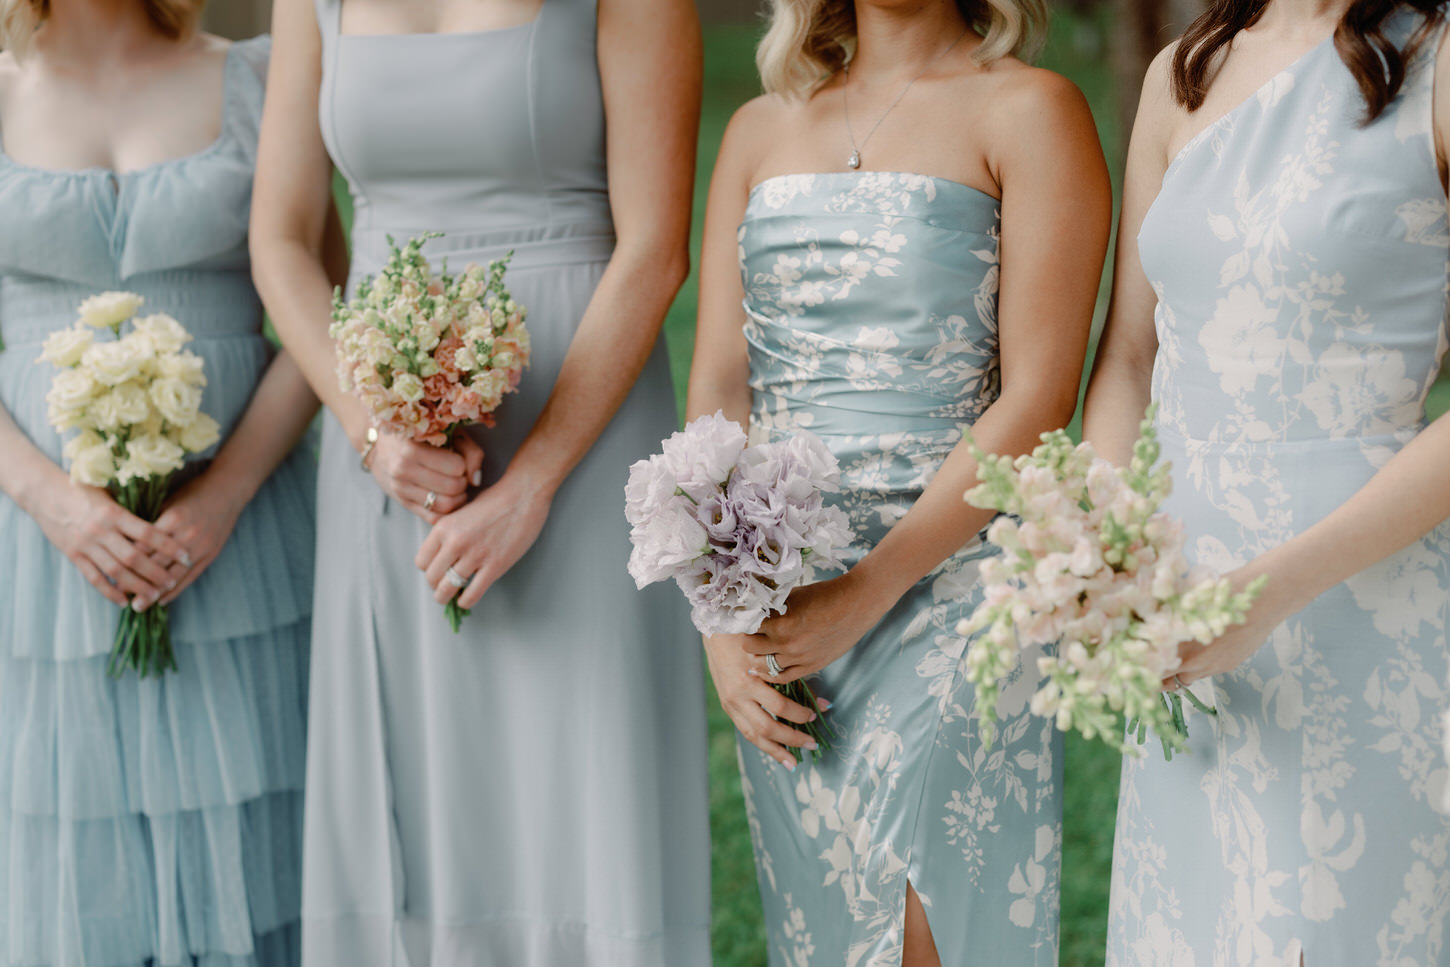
{"x":1118,"y":395}
{"x":297,"y":290}
{"x":614,"y":341}
{"x":281,"y":408}
{"x":940,"y":522}
{"x":1405,"y":500}
{"x":26,"y":472}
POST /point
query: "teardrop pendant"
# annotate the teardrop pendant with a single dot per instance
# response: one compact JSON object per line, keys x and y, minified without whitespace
{"x":854,"y":161}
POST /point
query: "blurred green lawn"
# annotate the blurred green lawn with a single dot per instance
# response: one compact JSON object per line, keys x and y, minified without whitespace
{"x":1076,"y":49}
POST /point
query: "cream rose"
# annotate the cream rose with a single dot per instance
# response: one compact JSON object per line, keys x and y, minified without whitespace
{"x":113,"y":363}
{"x":200,"y":434}
{"x":91,"y":461}
{"x":177,"y":401}
{"x":109,"y":309}
{"x":166,"y":334}
{"x":70,"y":394}
{"x":65,"y":347}
{"x":150,"y":456}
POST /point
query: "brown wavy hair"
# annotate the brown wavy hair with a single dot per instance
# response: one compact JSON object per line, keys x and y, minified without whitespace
{"x":19,"y":20}
{"x":1377,"y":64}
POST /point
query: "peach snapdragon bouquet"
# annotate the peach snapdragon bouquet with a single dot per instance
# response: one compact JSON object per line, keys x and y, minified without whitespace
{"x":430,"y":353}
{"x":1092,"y":563}
{"x":134,"y":403}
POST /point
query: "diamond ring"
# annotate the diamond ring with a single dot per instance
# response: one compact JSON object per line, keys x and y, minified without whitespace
{"x":772,"y":665}
{"x":457,"y":580}
{"x":430,"y":500}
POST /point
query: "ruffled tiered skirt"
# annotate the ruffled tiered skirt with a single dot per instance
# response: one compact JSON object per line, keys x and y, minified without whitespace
{"x":155,"y":823}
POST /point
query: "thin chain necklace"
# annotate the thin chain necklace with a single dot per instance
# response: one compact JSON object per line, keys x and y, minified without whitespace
{"x":854,"y":161}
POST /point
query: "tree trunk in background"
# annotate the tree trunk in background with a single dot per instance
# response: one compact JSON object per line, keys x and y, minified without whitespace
{"x":1143,"y":27}
{"x":237,"y":19}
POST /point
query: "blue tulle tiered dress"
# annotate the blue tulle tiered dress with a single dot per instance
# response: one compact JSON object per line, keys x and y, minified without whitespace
{"x":152,"y":822}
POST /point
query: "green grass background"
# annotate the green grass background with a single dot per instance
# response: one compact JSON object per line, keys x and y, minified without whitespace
{"x":1076,"y":48}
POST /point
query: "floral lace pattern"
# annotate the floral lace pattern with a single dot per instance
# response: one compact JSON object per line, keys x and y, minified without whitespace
{"x":1300,"y":264}
{"x":871,"y":317}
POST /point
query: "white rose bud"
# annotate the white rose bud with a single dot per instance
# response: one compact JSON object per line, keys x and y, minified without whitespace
{"x":70,"y":393}
{"x":114,"y":363}
{"x":165,"y":333}
{"x":65,"y":347}
{"x":132,"y":404}
{"x":109,"y":309}
{"x":184,"y":366}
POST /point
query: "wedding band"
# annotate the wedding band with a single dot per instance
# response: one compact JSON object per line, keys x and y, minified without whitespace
{"x":430,"y":500}
{"x":1178,"y":681}
{"x":457,"y":580}
{"x":772,"y":665}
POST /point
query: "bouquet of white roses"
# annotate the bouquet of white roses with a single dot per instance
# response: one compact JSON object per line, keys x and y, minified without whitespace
{"x":1092,"y":563}
{"x":136,"y":401}
{"x":429,"y":354}
{"x":737,"y":528}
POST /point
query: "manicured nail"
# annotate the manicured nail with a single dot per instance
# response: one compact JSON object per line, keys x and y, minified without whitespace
{"x":824,"y":704}
{"x":789,"y":764}
{"x":810,"y":747}
{"x":478,"y":478}
{"x":752,"y":673}
{"x":171,"y":586}
{"x":139,"y":605}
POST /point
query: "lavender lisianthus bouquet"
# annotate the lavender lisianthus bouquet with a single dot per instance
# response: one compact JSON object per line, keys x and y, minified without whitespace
{"x":737,"y":527}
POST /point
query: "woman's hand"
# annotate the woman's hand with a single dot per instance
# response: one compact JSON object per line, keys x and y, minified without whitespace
{"x":751,"y":703}
{"x":200,"y":517}
{"x":484,"y":539}
{"x":124,"y":557}
{"x":1235,"y":646}
{"x":820,"y":624}
{"x":410,"y":472}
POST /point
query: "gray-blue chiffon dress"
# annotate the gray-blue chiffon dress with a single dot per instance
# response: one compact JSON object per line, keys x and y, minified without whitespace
{"x":529,"y":792}
{"x":152,"y":823}
{"x":1299,"y":259}
{"x":871,"y":304}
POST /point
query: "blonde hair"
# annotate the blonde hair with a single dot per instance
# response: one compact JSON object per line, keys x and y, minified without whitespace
{"x":19,"y":19}
{"x":809,"y":40}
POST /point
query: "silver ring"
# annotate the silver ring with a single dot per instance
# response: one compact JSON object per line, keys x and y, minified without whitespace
{"x":1178,"y":681}
{"x":772,"y":665}
{"x":457,"y":580}
{"x":430,"y":500}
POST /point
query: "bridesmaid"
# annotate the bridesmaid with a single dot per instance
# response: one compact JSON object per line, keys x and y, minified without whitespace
{"x":1281,"y":295}
{"x":146,"y":823}
{"x":922,"y":220}
{"x":529,"y":792}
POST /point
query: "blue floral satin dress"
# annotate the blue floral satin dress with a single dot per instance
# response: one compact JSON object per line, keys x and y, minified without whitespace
{"x":871,"y":303}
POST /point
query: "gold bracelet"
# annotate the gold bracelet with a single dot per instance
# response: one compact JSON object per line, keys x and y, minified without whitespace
{"x":370,"y":440}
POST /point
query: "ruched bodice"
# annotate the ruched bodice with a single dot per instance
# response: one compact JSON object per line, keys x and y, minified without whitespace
{"x":871,"y":321}
{"x":889,"y":384}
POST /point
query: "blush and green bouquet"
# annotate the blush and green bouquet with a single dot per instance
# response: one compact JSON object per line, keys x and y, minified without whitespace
{"x":1092,"y":563}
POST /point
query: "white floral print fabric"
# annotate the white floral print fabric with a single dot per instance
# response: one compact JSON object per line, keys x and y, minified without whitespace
{"x":871,"y":319}
{"x":1300,"y":263}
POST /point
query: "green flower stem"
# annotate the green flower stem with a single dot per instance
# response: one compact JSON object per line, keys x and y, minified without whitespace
{"x":143,"y":638}
{"x":818,"y":729}
{"x":455,"y":613}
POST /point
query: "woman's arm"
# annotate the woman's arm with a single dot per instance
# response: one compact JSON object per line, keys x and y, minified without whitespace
{"x":291,"y":199}
{"x":650,"y":71}
{"x":720,"y":380}
{"x":1121,"y":385}
{"x":1405,"y":500}
{"x":1056,"y":214}
{"x":121,"y":555}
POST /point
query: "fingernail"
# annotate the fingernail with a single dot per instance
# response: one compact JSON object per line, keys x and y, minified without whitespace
{"x":789,"y":764}
{"x":810,"y":746}
{"x":752,"y":673}
{"x":478,"y":478}
{"x":824,"y":704}
{"x":138,"y":605}
{"x":171,"y":586}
